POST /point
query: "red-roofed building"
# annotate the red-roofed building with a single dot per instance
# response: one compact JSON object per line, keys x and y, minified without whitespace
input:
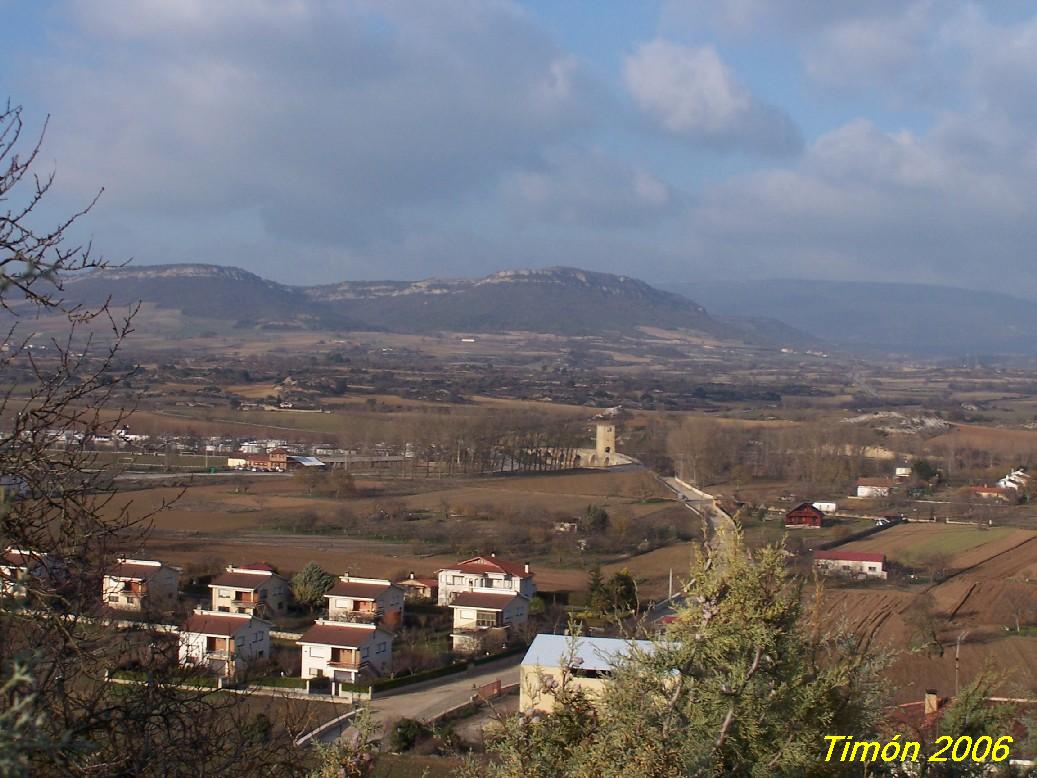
{"x":483,"y":618}
{"x":140,"y":584}
{"x":858,"y":564}
{"x":365,"y":599}
{"x":805,"y":515}
{"x":419,"y":588}
{"x":19,"y":567}
{"x":253,"y":589}
{"x":485,"y":572}
{"x":342,"y":651}
{"x":224,"y":642}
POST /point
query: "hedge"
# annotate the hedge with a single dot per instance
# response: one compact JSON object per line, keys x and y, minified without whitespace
{"x":494,"y":657}
{"x":426,"y":675}
{"x":287,"y":682}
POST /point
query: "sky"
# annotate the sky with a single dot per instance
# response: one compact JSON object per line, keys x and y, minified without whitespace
{"x":673,"y":140}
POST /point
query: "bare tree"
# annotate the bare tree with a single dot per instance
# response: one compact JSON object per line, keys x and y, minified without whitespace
{"x":60,"y":713}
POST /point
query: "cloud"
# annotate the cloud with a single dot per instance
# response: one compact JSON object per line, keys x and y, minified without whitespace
{"x":692,"y":94}
{"x":335,"y":123}
{"x":590,"y":190}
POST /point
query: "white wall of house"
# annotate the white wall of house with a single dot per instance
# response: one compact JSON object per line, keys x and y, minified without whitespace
{"x":872,"y":491}
{"x":249,"y":644}
{"x":846,"y":567}
{"x":453,"y":581}
{"x":272,"y":590}
{"x":160,"y":591}
{"x":376,"y":651}
{"x":515,"y":613}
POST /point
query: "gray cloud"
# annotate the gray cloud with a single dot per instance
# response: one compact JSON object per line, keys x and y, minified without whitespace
{"x":692,"y":94}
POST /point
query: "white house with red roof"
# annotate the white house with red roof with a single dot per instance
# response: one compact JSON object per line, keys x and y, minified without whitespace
{"x":342,"y":651}
{"x":253,"y":589}
{"x":366,"y":599}
{"x":485,"y":572}
{"x":140,"y":584}
{"x":858,"y":564}
{"x":485,"y":618}
{"x":226,"y":643}
{"x":20,"y":566}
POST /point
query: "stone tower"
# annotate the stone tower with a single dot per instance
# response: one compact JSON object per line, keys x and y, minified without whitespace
{"x":605,"y":440}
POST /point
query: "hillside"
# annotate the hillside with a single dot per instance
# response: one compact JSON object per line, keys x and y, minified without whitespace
{"x":564,"y":301}
{"x":883,"y":317}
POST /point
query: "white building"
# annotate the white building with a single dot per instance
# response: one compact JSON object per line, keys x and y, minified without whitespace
{"x":342,"y":651}
{"x":366,"y":599}
{"x":226,"y":643}
{"x":855,"y":564}
{"x":19,"y":566}
{"x":825,"y":507}
{"x":483,"y":572}
{"x":1018,"y":479}
{"x":484,"y":619}
{"x":874,"y":487}
{"x":253,"y":589}
{"x":139,"y":585}
{"x":588,"y":662}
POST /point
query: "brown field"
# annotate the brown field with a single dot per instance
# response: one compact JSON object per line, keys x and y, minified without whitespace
{"x":995,"y":439}
{"x":212,"y":523}
{"x":977,"y":602}
{"x":966,"y":545}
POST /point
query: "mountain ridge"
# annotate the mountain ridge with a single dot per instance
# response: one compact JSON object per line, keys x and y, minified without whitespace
{"x":561,"y":300}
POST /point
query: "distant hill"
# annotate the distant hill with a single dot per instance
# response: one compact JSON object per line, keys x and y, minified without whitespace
{"x":883,"y":317}
{"x":560,"y":300}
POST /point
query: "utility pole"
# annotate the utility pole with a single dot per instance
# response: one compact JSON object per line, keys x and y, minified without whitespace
{"x":957,"y":654}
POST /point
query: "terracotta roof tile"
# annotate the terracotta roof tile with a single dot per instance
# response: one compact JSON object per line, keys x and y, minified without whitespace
{"x":215,"y":624}
{"x":356,"y":590}
{"x":242,"y":580}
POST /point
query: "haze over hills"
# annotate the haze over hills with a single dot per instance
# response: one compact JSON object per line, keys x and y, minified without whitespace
{"x":560,"y":300}
{"x":883,"y":317}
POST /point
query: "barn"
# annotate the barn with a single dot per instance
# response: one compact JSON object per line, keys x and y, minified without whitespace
{"x":804,"y":515}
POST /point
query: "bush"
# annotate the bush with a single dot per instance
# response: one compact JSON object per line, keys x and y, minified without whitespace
{"x":405,"y":734}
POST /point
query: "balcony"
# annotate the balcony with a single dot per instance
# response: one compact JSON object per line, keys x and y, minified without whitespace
{"x":346,"y":665}
{"x":356,"y":617}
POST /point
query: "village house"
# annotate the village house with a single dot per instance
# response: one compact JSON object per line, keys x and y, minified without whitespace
{"x":874,"y":487}
{"x":589,"y":662}
{"x":366,"y":599}
{"x":825,"y":507}
{"x":805,"y":515}
{"x":419,"y":588}
{"x":19,"y":565}
{"x":275,"y":460}
{"x":1017,"y":480}
{"x":225,"y":643}
{"x":484,"y":619}
{"x":140,"y":585}
{"x":344,"y":651}
{"x":253,"y":589}
{"x":482,"y":572}
{"x":856,"y":564}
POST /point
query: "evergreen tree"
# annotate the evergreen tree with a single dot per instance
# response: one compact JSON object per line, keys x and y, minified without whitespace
{"x":310,"y":585}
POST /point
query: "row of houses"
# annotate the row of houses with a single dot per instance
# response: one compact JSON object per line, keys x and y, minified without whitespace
{"x":489,"y":599}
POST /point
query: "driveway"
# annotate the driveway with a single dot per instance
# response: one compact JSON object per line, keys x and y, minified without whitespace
{"x":426,"y":700}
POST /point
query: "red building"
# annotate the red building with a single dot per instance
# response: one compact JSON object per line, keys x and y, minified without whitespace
{"x":804,"y":515}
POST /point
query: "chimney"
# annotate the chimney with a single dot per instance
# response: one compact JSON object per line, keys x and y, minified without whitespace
{"x":493,"y":553}
{"x":345,"y":576}
{"x":525,"y":567}
{"x":932,"y":702}
{"x":412,"y":575}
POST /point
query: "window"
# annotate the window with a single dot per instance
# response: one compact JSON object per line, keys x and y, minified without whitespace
{"x":113,"y":598}
{"x":381,"y":648}
{"x":363,"y":653}
{"x":457,"y":580}
{"x":223,"y":609}
{"x":341,"y":603}
{"x":223,"y":594}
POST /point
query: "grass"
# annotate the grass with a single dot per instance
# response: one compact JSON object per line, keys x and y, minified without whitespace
{"x":276,"y":682}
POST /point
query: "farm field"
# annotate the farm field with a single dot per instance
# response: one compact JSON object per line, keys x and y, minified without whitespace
{"x":965,"y":545}
{"x":251,"y":520}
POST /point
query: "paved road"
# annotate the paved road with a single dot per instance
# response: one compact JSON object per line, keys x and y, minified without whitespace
{"x":721,"y":526}
{"x":426,"y":700}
